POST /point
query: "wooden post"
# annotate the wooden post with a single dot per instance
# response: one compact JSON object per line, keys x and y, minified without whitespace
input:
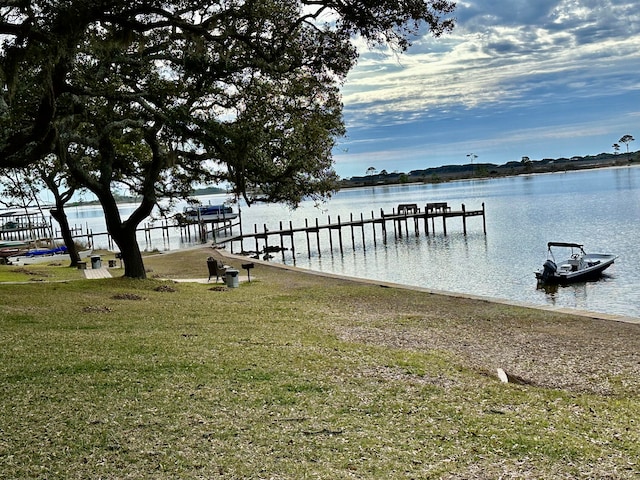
{"x":364,"y":248}
{"x":330,"y":236}
{"x":340,"y":235}
{"x":318,"y":237}
{"x":395,"y":222}
{"x":293,"y":246}
{"x":484,"y":222}
{"x":353,"y":239}
{"x":255,"y":229}
{"x":306,"y":229}
{"x":373,"y":226}
{"x":464,"y":221}
{"x":444,"y":223}
{"x":281,"y":242}
{"x":266,"y":239}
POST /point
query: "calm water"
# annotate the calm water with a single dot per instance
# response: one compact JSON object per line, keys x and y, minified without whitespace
{"x":599,"y":208}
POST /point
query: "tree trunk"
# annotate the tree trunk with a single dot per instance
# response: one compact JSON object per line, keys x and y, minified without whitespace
{"x":60,"y":216}
{"x":124,"y":235}
{"x":131,"y":254}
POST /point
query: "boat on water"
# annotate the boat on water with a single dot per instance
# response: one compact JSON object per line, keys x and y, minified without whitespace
{"x":578,"y":267}
{"x":209,"y":213}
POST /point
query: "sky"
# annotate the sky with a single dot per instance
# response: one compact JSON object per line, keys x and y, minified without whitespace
{"x":535,"y":78}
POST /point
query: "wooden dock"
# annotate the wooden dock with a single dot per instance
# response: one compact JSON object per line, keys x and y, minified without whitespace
{"x":21,"y":226}
{"x":189,"y":232}
{"x":399,"y":221}
{"x":402,"y":221}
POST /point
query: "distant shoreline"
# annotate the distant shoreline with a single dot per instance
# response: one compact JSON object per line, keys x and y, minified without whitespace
{"x":450,"y":173}
{"x":475,"y":171}
{"x":121,"y":199}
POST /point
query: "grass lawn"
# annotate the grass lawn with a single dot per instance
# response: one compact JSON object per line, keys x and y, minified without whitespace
{"x":299,"y":376}
{"x":44,"y":272}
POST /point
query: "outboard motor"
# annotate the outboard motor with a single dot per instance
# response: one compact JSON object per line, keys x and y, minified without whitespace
{"x":548,"y":269}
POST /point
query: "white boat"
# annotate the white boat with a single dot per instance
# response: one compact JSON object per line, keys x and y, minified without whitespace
{"x":578,"y":267}
{"x":209,"y":213}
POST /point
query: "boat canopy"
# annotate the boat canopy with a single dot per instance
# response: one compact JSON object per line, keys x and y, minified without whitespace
{"x":564,"y":244}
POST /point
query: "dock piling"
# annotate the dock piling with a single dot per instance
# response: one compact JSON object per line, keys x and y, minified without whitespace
{"x":464,"y":221}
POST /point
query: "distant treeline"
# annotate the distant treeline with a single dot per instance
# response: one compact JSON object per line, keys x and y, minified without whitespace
{"x":209,"y":191}
{"x":136,"y":199}
{"x":487,"y":170}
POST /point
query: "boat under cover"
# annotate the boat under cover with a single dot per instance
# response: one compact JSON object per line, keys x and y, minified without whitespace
{"x":578,"y":267}
{"x":210,"y":213}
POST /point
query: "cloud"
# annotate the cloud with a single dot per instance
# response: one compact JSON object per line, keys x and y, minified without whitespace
{"x":501,"y":52}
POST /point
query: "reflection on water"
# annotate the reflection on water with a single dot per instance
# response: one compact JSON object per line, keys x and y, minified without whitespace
{"x":576,"y":290}
{"x":574,"y":294}
{"x":598,"y":208}
{"x":549,"y":289}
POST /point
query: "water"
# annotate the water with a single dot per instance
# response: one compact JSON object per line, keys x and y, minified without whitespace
{"x":598,"y":208}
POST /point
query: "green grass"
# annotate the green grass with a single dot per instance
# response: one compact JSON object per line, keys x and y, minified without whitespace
{"x":121,"y":379}
{"x":39,"y":273}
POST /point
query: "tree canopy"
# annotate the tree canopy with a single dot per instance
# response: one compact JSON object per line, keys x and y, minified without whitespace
{"x":154,"y":95}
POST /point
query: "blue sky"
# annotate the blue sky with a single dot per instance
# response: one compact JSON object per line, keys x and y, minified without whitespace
{"x":536,"y":78}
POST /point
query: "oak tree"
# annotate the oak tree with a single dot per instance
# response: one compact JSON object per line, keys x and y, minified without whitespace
{"x":154,"y":96}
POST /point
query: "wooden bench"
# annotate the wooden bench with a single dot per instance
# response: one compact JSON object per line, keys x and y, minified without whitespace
{"x":407,"y":208}
{"x":437,"y":207}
